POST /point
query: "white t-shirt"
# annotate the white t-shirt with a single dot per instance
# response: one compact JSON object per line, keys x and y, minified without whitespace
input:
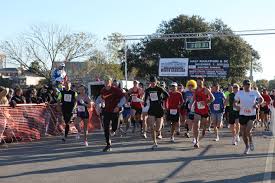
{"x":247,"y":101}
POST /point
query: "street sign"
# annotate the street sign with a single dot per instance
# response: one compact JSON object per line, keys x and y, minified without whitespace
{"x":198,"y":45}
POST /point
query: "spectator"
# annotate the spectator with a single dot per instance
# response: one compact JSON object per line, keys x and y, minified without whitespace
{"x":3,"y":96}
{"x":18,"y":97}
{"x":31,"y":97}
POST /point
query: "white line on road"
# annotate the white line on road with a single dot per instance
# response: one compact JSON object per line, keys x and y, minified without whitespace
{"x":268,"y":164}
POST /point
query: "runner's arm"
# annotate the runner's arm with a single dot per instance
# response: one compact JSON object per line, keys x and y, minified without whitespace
{"x":212,"y":98}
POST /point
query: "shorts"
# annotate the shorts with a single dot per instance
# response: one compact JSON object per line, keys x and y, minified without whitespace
{"x":200,"y":116}
{"x":227,"y":109}
{"x":126,"y":112}
{"x":183,"y":112}
{"x":67,"y":116}
{"x":157,"y":112}
{"x":173,"y":117}
{"x":138,"y":110}
{"x":245,"y":119}
{"x":191,"y":116}
{"x":233,"y":116}
{"x":265,"y":110}
{"x":217,"y":117}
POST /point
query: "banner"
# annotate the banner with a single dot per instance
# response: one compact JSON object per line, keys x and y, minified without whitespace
{"x":208,"y":68}
{"x":173,"y":67}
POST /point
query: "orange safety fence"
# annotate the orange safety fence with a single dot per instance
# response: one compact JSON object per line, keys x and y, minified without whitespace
{"x":27,"y":122}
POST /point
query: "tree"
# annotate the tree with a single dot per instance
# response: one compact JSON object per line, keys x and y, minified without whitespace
{"x":39,"y":48}
{"x":263,"y":83}
{"x":271,"y":84}
{"x":144,"y":55}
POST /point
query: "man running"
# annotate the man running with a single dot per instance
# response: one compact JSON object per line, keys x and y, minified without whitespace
{"x":249,"y":100}
{"x":114,"y":100}
{"x":174,"y":104}
{"x":217,"y":109}
{"x":265,"y":109}
{"x":83,"y":106}
{"x":136,"y":95}
{"x":234,"y":116}
{"x":202,"y":98}
{"x":67,"y":100}
{"x":156,"y":96}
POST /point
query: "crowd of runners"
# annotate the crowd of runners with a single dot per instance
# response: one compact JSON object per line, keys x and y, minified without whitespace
{"x":148,"y":109}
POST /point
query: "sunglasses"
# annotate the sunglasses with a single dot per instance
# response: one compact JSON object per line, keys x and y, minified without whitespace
{"x":191,"y":85}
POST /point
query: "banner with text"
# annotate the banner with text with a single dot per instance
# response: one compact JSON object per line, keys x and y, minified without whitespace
{"x":208,"y":68}
{"x":173,"y":67}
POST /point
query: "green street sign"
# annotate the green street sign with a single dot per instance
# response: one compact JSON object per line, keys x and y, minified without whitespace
{"x":198,"y":45}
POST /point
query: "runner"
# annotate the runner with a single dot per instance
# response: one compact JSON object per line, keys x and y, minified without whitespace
{"x":202,"y":98}
{"x":249,"y":101}
{"x":234,"y":116}
{"x":182,"y":111}
{"x":67,"y":100}
{"x":217,"y":109}
{"x":227,"y":108}
{"x":114,"y":100}
{"x":156,"y":96}
{"x":265,"y":109}
{"x":174,"y":104}
{"x":188,"y":99}
{"x":136,"y":95}
{"x":83,"y":106}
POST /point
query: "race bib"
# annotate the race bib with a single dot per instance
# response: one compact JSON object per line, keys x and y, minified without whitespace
{"x":134,"y":98}
{"x":201,"y":105}
{"x":173,"y":111}
{"x":81,"y":108}
{"x":68,"y":98}
{"x":217,"y":107}
{"x":247,"y":111}
{"x":154,"y":96}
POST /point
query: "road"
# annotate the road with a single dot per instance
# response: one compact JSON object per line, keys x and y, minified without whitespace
{"x":132,"y":160}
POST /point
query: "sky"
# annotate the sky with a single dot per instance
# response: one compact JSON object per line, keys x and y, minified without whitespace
{"x":102,"y":17}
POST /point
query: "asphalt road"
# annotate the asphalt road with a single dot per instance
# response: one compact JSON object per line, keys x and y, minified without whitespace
{"x":132,"y":160}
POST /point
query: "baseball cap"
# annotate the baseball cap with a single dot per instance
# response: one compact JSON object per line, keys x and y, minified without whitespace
{"x":153,"y":79}
{"x":174,"y":84}
{"x":62,"y":65}
{"x":246,"y":82}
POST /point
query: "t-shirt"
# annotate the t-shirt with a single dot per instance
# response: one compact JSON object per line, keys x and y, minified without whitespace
{"x":217,"y":106}
{"x":156,"y":96}
{"x":68,"y":100}
{"x":267,"y":99}
{"x":18,"y":99}
{"x":247,"y":101}
{"x":111,"y":98}
{"x":226,"y":94}
{"x":174,"y":100}
{"x":231,"y":99}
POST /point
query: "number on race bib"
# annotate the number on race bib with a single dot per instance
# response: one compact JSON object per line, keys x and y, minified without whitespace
{"x":154,"y":96}
{"x":67,"y":97}
{"x":201,"y":105}
{"x":247,"y":111}
{"x":217,"y":107}
{"x":134,"y":98}
{"x":173,"y":111}
{"x":81,"y":108}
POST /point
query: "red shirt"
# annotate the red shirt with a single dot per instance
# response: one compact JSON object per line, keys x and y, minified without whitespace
{"x":175,"y":99}
{"x":111,"y":98}
{"x":201,"y":98}
{"x":134,"y":96}
{"x":267,"y":99}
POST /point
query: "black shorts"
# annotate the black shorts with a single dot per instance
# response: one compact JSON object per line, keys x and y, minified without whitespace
{"x":227,"y":109}
{"x":138,"y":110}
{"x":173,"y":117}
{"x":265,"y":110}
{"x":245,"y":119}
{"x":157,"y":112}
{"x":67,"y":116}
{"x":83,"y":115}
{"x":233,"y":115}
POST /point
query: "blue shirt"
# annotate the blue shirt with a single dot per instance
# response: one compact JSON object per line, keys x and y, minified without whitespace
{"x":217,"y":106}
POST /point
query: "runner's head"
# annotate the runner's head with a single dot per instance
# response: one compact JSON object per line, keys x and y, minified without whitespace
{"x":265,"y":91}
{"x":135,"y":83}
{"x":18,"y":91}
{"x":68,"y":86}
{"x":107,"y":81}
{"x":173,"y":86}
{"x":153,"y":81}
{"x":236,"y":88}
{"x":191,"y":84}
{"x":215,"y":87}
{"x":180,"y":88}
{"x":246,"y":85}
{"x":81,"y":89}
{"x":230,"y":88}
{"x":115,"y":83}
{"x":140,"y":85}
{"x":200,"y":81}
{"x":163,"y":84}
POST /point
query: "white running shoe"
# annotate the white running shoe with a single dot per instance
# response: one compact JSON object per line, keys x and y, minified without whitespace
{"x":85,"y":143}
{"x":77,"y":137}
{"x":234,"y":141}
{"x":217,"y":139}
{"x":172,"y":139}
{"x":159,"y":137}
{"x":246,"y":151}
{"x":144,"y":136}
{"x":252,"y":147}
{"x":112,"y":133}
{"x":194,"y":141}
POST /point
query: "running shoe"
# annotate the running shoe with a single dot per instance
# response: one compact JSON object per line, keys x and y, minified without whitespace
{"x":252,"y":147}
{"x":197,"y":145}
{"x":246,"y":151}
{"x":63,"y":140}
{"x":238,"y":138}
{"x":234,"y":141}
{"x":155,"y":146}
{"x":172,"y":139}
{"x":194,"y":141}
{"x":187,"y":135}
{"x":144,"y":136}
{"x":112,"y":133}
{"x":217,"y":139}
{"x":85,"y":143}
{"x":107,"y":148}
{"x":159,"y":137}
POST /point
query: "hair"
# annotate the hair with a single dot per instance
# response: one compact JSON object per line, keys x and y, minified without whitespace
{"x":200,"y":78}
